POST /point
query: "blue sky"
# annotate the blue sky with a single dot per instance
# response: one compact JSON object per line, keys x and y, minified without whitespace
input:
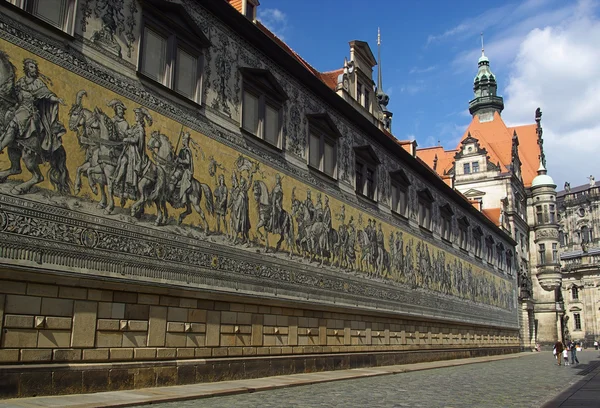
{"x":543,"y":52}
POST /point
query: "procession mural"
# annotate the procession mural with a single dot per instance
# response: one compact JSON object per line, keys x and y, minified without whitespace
{"x":108,"y":156}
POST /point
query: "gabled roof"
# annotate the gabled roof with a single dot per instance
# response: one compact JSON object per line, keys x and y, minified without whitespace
{"x":493,"y":215}
{"x":496,"y":138}
{"x":331,"y":77}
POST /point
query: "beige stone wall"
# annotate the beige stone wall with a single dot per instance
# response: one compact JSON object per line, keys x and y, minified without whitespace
{"x":59,"y":319}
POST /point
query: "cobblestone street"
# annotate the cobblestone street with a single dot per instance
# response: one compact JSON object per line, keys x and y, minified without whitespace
{"x":529,"y":381}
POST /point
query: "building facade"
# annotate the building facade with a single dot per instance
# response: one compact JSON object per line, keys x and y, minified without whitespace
{"x":183,"y":192}
{"x":501,"y":171}
{"x":579,"y":238}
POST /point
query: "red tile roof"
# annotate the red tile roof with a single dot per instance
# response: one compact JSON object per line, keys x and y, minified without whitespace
{"x":493,"y":215}
{"x":445,"y":158}
{"x":331,"y":77}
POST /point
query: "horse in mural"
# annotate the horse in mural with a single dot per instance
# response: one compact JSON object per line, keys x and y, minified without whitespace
{"x":370,"y":261}
{"x":285,"y":229}
{"x":97,"y":135}
{"x":156,"y":186}
{"x":312,"y":235}
{"x":29,"y":127}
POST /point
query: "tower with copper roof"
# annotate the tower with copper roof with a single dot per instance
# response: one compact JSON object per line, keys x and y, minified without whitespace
{"x":485,"y":88}
{"x":382,"y":98}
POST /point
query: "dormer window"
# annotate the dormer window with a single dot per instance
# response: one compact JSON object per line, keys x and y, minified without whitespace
{"x":366,"y":172}
{"x":475,"y":167}
{"x":262,"y":102}
{"x":467,"y":168}
{"x":250,"y":10}
{"x":400,"y":188}
{"x":172,"y":58}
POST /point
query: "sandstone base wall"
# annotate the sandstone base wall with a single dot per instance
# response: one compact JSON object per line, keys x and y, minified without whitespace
{"x":60,"y":334}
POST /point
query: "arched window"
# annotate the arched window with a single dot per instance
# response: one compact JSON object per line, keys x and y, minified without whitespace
{"x":574,"y":293}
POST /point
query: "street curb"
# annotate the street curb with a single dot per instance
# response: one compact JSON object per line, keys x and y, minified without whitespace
{"x":147,"y":396}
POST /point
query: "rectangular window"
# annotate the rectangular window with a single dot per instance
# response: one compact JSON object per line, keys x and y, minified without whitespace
{"x":463,"y":232}
{"x":446,"y":231}
{"x":322,"y":152}
{"x":575,"y":293}
{"x":554,"y":253}
{"x":500,"y":257}
{"x":477,"y":238}
{"x":399,"y":198}
{"x":367,"y":102}
{"x":552,"y":214}
{"x":51,"y":11}
{"x":425,"y":213}
{"x":475,"y":167}
{"x":272,"y":125}
{"x":509,"y":262}
{"x":542,"y":252}
{"x":370,"y":183}
{"x":249,"y":10}
{"x":359,"y":177}
{"x":489,"y":244}
{"x":186,"y":73}
{"x":359,"y":93}
{"x":577,"y":321}
{"x":154,"y":55}
{"x":171,"y":62}
{"x":467,"y":168}
{"x":539,"y":214}
{"x":250,"y":113}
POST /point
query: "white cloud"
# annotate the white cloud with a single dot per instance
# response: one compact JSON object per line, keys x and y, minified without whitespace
{"x":275,"y":20}
{"x":557,"y":69}
{"x":416,"y":70}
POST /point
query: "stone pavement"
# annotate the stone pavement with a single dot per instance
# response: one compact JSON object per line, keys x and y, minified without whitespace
{"x":519,"y":380}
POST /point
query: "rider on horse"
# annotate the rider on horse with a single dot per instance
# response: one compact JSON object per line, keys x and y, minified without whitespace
{"x":184,"y":169}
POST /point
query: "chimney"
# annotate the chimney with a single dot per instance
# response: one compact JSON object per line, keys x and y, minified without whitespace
{"x":246,"y":7}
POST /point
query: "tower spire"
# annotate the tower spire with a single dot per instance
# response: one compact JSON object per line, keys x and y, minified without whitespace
{"x":482,"y":43}
{"x":382,"y":98}
{"x":486,"y":101}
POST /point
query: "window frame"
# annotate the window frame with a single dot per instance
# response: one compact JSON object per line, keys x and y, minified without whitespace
{"x":425,"y":213}
{"x":263,"y":86}
{"x":509,"y":262}
{"x":575,"y":293}
{"x":489,"y":250}
{"x":366,"y":158}
{"x":463,"y":233}
{"x":477,"y":242}
{"x":322,"y":126}
{"x":68,"y":18}
{"x":539,"y":214}
{"x":191,"y":43}
{"x":576,"y":322}
{"x":466,"y":168}
{"x":446,"y":215}
{"x":554,"y":252}
{"x":400,"y":182}
{"x":500,"y":257}
{"x":542,"y":254}
{"x":474,"y":167}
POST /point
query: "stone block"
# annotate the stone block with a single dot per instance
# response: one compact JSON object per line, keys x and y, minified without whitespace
{"x":109,"y":339}
{"x":185,"y":352}
{"x":257,"y":330}
{"x":69,"y":292}
{"x":95,"y":380}
{"x":36,"y":289}
{"x":188,"y":303}
{"x":121,"y":379}
{"x":36,"y":355}
{"x":196,"y":316}
{"x":175,"y":327}
{"x":144,"y":353}
{"x":244,"y":318}
{"x":169,"y":301}
{"x":125,"y":297}
{"x":137,"y":312}
{"x":108,"y":325}
{"x":54,"y":339}
{"x":176,"y":339}
{"x":145,"y":377}
{"x":227,"y":340}
{"x":235,"y":351}
{"x":206,"y":304}
{"x":213,"y":323}
{"x":35,"y":383}
{"x":84,"y":324}
{"x":134,"y":339}
{"x":177,"y":314}
{"x":228,"y":317}
{"x":17,"y":304}
{"x":19,"y":338}
{"x":166,"y":353}
{"x":251,"y":308}
{"x":270,"y":320}
{"x":138,"y":325}
{"x":66,"y":382}
{"x":219,"y":352}
{"x":59,"y":323}
{"x":198,"y":328}
{"x":221,"y":306}
{"x":146,"y":299}
{"x":18,"y":322}
{"x":66,"y":355}
{"x":157,"y":326}
{"x":195,"y":340}
{"x":166,"y":376}
{"x":249,"y":351}
{"x":9,"y":385}
{"x":12,"y":287}
{"x":121,"y":353}
{"x":186,"y":374}
{"x":9,"y":356}
{"x":202,"y":352}
{"x":57,"y":307}
{"x":98,"y":354}
{"x":100,"y":295}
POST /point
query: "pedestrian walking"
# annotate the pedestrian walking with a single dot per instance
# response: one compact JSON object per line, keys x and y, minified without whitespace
{"x":596,"y":344}
{"x":558,"y":349}
{"x":573,"y":348}
{"x":566,"y":356}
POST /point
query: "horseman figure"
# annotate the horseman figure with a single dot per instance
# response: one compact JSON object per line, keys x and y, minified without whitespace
{"x":184,"y":169}
{"x":33,"y":130}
